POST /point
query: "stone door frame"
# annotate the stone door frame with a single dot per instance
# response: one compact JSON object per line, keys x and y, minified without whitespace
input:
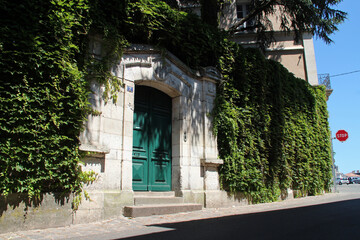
{"x":192,"y":95}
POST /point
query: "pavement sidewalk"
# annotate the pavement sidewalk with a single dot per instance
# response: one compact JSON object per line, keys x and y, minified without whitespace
{"x":123,"y":227}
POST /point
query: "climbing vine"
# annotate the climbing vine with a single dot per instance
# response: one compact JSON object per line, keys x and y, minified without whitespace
{"x":272,"y":127}
{"x":43,"y":95}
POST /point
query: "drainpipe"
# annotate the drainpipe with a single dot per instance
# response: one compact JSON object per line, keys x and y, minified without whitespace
{"x":123,"y":132}
{"x":203,"y":102}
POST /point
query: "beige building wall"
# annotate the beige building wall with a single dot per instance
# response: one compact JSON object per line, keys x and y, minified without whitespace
{"x":297,"y":57}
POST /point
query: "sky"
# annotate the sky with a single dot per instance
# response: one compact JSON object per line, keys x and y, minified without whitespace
{"x":343,"y":56}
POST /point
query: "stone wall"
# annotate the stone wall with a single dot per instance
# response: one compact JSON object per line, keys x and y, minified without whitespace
{"x":109,"y":134}
{"x":18,"y":213}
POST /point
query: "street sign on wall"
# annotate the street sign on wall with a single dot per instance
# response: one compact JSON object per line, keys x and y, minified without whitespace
{"x":342,"y":135}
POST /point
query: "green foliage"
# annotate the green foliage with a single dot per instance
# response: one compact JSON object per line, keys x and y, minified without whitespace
{"x":272,"y":127}
{"x":106,"y":21}
{"x":154,"y":22}
{"x":318,"y":17}
{"x":43,"y":95}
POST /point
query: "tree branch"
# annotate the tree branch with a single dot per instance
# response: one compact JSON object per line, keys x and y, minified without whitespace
{"x":256,"y":10}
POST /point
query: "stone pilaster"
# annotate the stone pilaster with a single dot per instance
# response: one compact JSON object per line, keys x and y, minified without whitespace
{"x":213,"y":196}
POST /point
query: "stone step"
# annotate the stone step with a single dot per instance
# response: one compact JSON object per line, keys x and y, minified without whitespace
{"x":148,"y":210}
{"x":151,"y":200}
{"x":154,"y":194}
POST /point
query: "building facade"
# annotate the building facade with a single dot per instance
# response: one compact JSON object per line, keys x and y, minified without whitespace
{"x":157,"y":136}
{"x":297,"y":56}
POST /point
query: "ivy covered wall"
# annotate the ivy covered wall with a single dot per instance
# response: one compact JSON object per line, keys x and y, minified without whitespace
{"x":43,"y":95}
{"x":272,"y":127}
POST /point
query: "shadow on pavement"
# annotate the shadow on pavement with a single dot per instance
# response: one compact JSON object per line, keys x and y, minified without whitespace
{"x":326,"y":221}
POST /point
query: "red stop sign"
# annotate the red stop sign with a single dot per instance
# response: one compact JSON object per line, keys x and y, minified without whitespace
{"x":342,"y":135}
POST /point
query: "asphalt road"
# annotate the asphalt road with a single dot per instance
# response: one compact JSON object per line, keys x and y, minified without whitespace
{"x":327,"y":221}
{"x":337,"y":220}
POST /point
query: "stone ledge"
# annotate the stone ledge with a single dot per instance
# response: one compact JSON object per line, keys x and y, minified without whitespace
{"x":211,"y":162}
{"x":94,"y":148}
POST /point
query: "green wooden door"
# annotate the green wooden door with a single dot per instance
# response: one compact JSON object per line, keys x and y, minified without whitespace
{"x":151,"y":156}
